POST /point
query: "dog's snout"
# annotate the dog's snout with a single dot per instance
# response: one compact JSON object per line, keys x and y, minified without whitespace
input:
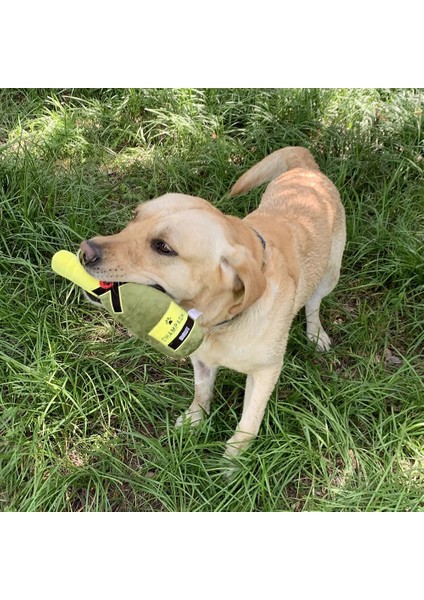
{"x":90,"y":252}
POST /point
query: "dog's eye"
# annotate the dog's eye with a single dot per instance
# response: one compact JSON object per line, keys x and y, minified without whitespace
{"x":162,"y":247}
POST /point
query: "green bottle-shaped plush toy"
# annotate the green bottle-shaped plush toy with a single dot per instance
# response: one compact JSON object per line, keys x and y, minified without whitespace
{"x":149,"y":313}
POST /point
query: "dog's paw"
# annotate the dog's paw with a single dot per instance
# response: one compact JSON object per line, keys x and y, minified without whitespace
{"x":193,"y":418}
{"x":321,"y":340}
{"x":229,"y":469}
{"x":234,"y":457}
{"x":236,"y":444}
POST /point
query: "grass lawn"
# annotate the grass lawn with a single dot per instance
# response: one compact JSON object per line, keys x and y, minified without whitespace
{"x":87,"y":412}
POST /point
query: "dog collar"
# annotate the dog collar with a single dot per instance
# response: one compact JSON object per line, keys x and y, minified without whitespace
{"x":261,"y":239}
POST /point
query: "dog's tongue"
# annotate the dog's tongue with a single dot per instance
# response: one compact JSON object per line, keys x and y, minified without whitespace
{"x":106,"y":285}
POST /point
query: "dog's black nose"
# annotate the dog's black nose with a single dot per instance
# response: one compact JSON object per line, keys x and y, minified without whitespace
{"x":90,"y":252}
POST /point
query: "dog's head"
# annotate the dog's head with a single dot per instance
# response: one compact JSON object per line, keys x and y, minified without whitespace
{"x":199,"y":256}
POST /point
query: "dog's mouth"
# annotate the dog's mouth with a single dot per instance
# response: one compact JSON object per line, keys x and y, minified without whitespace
{"x":96,"y":300}
{"x":106,"y":285}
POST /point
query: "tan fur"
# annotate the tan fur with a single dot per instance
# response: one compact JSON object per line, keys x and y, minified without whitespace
{"x":248,"y":295}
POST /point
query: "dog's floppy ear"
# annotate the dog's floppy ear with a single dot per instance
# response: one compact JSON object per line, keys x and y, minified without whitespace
{"x":248,"y":280}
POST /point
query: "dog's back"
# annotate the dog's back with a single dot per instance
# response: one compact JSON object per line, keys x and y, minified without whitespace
{"x":300,"y":214}
{"x":298,"y":191}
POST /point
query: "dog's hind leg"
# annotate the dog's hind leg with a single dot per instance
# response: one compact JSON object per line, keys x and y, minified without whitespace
{"x":314,"y":328}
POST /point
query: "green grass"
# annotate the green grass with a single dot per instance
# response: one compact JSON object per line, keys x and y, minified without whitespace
{"x":87,"y":412}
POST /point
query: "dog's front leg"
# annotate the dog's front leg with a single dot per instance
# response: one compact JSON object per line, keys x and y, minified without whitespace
{"x":259,"y":386}
{"x":204,"y":379}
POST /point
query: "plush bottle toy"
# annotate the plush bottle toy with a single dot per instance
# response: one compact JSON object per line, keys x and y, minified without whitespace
{"x":149,"y":313}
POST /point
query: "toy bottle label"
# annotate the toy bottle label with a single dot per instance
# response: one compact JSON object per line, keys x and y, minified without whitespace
{"x":173,"y":328}
{"x":114,"y":292}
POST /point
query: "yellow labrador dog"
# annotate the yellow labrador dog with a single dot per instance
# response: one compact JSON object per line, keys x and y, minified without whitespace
{"x":248,"y":277}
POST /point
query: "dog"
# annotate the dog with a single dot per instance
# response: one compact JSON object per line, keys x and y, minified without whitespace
{"x":248,"y":277}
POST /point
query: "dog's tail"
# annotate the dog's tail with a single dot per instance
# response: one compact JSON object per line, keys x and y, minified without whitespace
{"x":274,"y":165}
